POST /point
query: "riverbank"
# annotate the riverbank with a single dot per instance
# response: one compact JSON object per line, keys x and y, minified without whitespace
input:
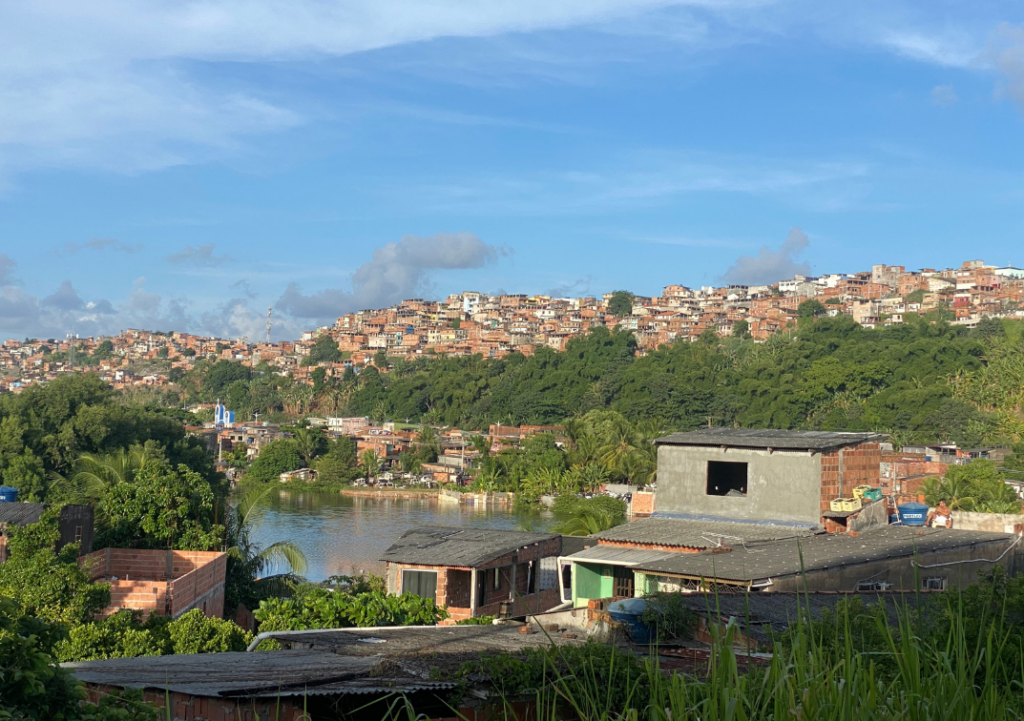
{"x":389,"y":492}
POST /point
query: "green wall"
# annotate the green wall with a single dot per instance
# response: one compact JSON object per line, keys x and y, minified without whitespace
{"x":589,"y":581}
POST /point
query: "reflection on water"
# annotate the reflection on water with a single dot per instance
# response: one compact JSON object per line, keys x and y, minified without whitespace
{"x":346,"y":534}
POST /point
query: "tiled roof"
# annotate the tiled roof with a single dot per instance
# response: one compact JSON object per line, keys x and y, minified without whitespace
{"x":21,"y":514}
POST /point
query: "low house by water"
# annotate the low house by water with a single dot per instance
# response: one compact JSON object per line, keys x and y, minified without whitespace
{"x":478,"y":572}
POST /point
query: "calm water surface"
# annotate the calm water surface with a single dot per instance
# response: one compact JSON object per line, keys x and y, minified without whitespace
{"x":346,"y":534}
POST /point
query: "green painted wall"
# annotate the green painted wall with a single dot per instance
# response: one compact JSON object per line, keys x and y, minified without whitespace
{"x":589,"y":581}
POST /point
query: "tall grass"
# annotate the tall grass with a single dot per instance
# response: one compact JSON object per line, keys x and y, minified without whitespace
{"x":808,"y":680}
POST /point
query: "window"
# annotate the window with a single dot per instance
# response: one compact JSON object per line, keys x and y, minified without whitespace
{"x":727,"y":479}
{"x":78,"y":534}
{"x":868,"y":586}
{"x":622,"y":584}
{"x":937,"y":583}
{"x":420,"y":583}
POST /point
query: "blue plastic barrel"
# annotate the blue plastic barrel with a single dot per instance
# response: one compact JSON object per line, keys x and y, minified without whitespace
{"x":913,"y":514}
{"x":8,"y":494}
{"x":628,"y":612}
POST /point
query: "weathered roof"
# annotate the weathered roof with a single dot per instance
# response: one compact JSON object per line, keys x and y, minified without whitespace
{"x":687,"y":533}
{"x":763,"y":438}
{"x":618,"y":556}
{"x":21,"y":514}
{"x":819,"y":552}
{"x":338,"y":662}
{"x":461,"y":547}
{"x":285,"y":673}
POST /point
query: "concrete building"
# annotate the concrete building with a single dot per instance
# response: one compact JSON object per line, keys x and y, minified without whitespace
{"x":477,"y":572}
{"x":774,"y":477}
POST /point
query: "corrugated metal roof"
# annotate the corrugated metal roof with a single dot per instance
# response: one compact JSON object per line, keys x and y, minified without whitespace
{"x":814,"y":553}
{"x":763,"y":438}
{"x":692,"y":533}
{"x":466,"y":547}
{"x":619,"y":556}
{"x":21,"y":514}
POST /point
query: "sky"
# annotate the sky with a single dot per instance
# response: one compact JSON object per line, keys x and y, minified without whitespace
{"x":186,"y":166}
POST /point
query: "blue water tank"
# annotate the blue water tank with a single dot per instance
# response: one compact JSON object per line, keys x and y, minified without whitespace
{"x":8,"y":494}
{"x":913,"y":514}
{"x":628,"y":612}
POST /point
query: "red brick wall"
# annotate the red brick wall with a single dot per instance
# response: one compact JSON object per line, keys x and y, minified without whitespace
{"x":858,"y":466}
{"x":3,"y":548}
{"x":643,"y":503}
{"x":202,"y":588}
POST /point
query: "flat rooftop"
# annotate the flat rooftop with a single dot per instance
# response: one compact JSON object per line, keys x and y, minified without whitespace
{"x":459,"y":547}
{"x":764,"y":439}
{"x":756,"y":561}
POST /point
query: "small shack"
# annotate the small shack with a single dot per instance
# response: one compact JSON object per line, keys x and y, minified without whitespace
{"x":477,"y":572}
{"x":76,"y":524}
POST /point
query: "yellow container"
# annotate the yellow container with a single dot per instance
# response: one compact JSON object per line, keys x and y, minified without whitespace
{"x":851,"y":504}
{"x":836,"y":504}
{"x":859,"y":491}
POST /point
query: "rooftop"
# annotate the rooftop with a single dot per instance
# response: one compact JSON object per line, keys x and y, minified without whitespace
{"x":756,"y":561}
{"x":21,"y":514}
{"x":461,"y":547}
{"x":699,"y":534}
{"x":775,"y":439}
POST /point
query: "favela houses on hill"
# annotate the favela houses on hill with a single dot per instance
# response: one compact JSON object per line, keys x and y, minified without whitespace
{"x":528,"y":486}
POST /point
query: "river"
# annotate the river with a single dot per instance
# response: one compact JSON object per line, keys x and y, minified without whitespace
{"x":347,"y":534}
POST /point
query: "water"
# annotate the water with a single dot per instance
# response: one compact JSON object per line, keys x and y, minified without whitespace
{"x":343,"y":535}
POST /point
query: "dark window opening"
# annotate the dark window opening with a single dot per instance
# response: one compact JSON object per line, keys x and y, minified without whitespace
{"x":727,"y":479}
{"x":420,"y":583}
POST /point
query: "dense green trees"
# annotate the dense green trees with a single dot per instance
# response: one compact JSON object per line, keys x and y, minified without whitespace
{"x":621,"y":303}
{"x":978,"y":486}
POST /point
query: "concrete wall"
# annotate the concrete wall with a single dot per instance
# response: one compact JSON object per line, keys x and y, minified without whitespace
{"x":995,"y":522}
{"x":781,"y":486}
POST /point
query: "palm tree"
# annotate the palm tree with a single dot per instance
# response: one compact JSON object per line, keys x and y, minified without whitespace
{"x":621,"y":443}
{"x":309,"y":442}
{"x":248,"y":562}
{"x":371,"y":463}
{"x":93,"y":474}
{"x":587,"y":519}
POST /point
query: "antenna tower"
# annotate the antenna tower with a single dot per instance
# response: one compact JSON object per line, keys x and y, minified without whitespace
{"x":269,"y":311}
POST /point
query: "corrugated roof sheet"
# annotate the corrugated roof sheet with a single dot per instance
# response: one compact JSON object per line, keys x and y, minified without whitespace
{"x":464,"y":547}
{"x":616,"y":556}
{"x":762,"y":438}
{"x":687,"y":533}
{"x":21,"y":514}
{"x":819,"y":552}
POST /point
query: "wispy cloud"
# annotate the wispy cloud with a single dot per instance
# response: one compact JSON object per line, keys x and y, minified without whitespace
{"x":7,"y":266}
{"x":197,"y":256}
{"x":100,"y":244}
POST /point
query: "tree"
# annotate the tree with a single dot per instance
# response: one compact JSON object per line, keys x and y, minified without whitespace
{"x":741,"y":329}
{"x":255,"y":572}
{"x":221,"y":375}
{"x":810,"y":308}
{"x":275,"y":458}
{"x":621,"y":303}
{"x":339,"y":463}
{"x":324,"y":350}
{"x":371,"y":464}
{"x":587,"y":516}
{"x":162,"y":507}
{"x":310,"y":443}
{"x":915,"y":296}
{"x":977,"y":486}
{"x":33,"y":686}
{"x":46,"y":582}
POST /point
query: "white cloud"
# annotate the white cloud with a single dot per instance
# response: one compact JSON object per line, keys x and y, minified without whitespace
{"x":397,"y":271}
{"x":770,"y":266}
{"x":100,"y":244}
{"x":7,"y":266}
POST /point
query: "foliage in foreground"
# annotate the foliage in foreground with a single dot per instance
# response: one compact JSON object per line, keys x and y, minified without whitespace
{"x":125,"y":635}
{"x":316,"y":607}
{"x":34,"y":687}
{"x":959,"y":672}
{"x":585,"y":516}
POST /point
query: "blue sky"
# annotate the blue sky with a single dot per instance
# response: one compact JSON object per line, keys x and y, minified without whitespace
{"x":185,"y":166}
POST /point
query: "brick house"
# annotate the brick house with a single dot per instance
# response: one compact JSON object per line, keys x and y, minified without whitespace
{"x":477,"y":572}
{"x":162,"y":582}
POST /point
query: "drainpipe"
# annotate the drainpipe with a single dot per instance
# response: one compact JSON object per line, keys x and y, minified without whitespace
{"x":841,"y":451}
{"x":473,"y":600}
